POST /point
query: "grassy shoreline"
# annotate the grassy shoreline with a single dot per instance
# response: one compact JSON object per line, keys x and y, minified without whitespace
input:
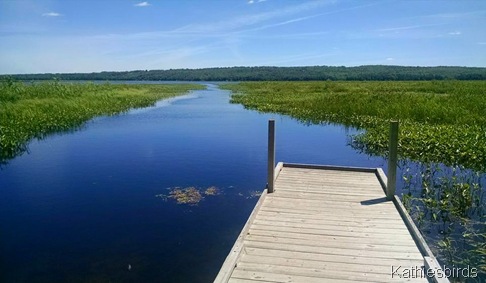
{"x":35,"y":110}
{"x":441,"y":121}
{"x":442,"y":129}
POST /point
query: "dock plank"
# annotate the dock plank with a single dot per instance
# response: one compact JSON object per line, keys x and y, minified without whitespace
{"x":322,"y":224}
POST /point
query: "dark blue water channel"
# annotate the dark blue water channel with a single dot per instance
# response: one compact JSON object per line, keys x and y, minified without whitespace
{"x":82,"y":206}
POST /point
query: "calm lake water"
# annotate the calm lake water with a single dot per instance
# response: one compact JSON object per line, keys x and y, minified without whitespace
{"x":82,"y":206}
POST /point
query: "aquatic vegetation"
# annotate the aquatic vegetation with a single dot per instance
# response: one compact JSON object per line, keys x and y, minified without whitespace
{"x":211,"y":191}
{"x":453,"y":145}
{"x":35,"y":110}
{"x":442,"y":126}
{"x":449,"y":205}
{"x":440,"y":121}
{"x":194,"y":195}
{"x":190,"y":195}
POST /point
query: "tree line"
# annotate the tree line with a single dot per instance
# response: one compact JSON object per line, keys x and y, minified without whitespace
{"x":310,"y":73}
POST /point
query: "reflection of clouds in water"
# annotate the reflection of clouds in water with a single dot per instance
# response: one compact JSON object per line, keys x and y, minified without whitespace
{"x":162,"y":103}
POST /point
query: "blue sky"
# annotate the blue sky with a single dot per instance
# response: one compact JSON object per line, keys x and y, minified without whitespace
{"x":38,"y":36}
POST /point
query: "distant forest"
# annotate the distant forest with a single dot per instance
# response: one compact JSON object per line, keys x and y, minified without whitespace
{"x":314,"y":73}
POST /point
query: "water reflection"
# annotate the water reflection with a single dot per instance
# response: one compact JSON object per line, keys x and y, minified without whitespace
{"x":81,"y":207}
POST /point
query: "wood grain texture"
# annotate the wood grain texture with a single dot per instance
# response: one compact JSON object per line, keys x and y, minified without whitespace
{"x":325,"y":225}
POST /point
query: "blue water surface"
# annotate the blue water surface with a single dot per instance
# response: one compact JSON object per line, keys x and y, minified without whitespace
{"x":82,"y":206}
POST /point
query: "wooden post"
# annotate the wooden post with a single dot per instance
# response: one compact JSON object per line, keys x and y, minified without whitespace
{"x":271,"y":155}
{"x":392,"y":160}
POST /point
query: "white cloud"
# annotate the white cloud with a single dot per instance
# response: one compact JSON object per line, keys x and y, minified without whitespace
{"x":257,"y":1}
{"x":455,"y":33}
{"x":390,"y":59}
{"x":142,"y":4}
{"x":51,"y":14}
{"x":253,"y":19}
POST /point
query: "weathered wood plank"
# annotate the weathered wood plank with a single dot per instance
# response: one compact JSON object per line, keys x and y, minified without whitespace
{"x":294,"y":274}
{"x":390,"y":223}
{"x":275,"y":277}
{"x":342,"y":199}
{"x":329,"y":232}
{"x":329,"y":191}
{"x":369,"y":205}
{"x":378,"y":241}
{"x":334,"y":251}
{"x":326,"y":190}
{"x":339,"y":227}
{"x":313,"y":272}
{"x":332,"y":244}
{"x":326,"y":182}
{"x":323,"y":265}
{"x":323,"y":211}
{"x":241,"y":280}
{"x":339,"y":259}
{"x":369,"y":178}
{"x":345,"y":210}
{"x":329,"y":179}
{"x":322,"y":216}
{"x":323,"y":224}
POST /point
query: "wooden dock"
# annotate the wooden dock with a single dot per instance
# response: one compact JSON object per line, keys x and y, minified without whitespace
{"x":329,"y":224}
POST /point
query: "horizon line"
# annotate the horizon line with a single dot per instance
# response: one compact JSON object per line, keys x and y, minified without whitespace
{"x":260,"y":66}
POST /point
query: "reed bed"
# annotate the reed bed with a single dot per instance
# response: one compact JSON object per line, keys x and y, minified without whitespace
{"x":35,"y":110}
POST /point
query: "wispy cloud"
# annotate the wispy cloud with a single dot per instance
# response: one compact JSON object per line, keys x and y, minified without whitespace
{"x":457,"y":15}
{"x":239,"y":26}
{"x":51,"y":14}
{"x":253,"y":19}
{"x":390,"y":59}
{"x":455,"y":33}
{"x":405,"y":28}
{"x":253,"y":1}
{"x":303,"y":35}
{"x":482,"y":43}
{"x":142,"y":4}
{"x":300,"y":19}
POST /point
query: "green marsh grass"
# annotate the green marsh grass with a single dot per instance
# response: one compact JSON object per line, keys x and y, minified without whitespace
{"x":35,"y":110}
{"x":442,"y":128}
{"x":440,"y":121}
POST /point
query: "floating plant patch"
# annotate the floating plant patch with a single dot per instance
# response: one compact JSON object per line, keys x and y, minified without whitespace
{"x":189,"y":195}
{"x":211,"y":191}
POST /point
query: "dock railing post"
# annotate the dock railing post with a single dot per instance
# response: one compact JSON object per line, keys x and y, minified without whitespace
{"x":271,"y":156}
{"x":392,"y":161}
